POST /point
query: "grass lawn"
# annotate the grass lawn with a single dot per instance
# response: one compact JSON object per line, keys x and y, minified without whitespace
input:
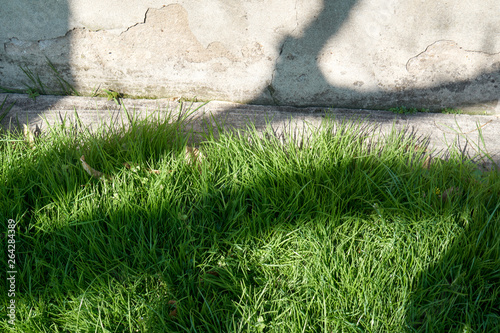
{"x":344,"y":232}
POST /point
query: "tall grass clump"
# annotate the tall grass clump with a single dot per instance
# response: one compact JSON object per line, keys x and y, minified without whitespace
{"x":337,"y":230}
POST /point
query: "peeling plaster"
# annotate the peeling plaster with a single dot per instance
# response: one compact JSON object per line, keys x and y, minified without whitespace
{"x":32,"y":50}
{"x":170,"y":24}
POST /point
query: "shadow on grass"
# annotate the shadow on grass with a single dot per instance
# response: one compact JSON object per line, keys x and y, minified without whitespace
{"x":460,"y":291}
{"x":242,"y":245}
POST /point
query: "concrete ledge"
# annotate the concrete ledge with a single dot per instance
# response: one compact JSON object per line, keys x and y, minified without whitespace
{"x":477,"y":136}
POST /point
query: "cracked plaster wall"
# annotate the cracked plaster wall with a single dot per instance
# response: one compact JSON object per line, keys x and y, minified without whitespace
{"x":345,"y":53}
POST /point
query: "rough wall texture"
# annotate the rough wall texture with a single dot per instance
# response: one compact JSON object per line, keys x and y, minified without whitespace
{"x":341,"y":53}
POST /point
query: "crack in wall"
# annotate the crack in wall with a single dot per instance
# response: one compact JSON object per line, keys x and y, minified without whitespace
{"x":423,"y":52}
{"x":16,"y":41}
{"x":482,"y":52}
{"x":296,"y":16}
{"x":270,"y":88}
{"x":85,"y":28}
{"x":138,"y":23}
{"x":458,"y":48}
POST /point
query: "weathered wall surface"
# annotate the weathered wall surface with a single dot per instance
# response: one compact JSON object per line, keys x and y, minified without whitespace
{"x":341,"y":53}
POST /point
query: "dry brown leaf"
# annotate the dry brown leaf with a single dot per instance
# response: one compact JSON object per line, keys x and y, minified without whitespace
{"x":427,"y":162}
{"x":193,"y":155}
{"x":91,"y":171}
{"x":26,"y":131}
{"x":415,"y":148}
{"x":31,"y":136}
{"x":128,"y":166}
{"x":173,"y":313}
{"x":214,"y":273}
{"x":37,"y":132}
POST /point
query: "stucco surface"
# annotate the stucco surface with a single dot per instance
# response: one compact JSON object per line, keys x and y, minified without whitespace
{"x":343,"y":53}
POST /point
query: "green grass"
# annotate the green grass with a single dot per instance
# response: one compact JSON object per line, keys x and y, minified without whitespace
{"x":405,"y":110}
{"x":451,"y":111}
{"x":343,"y":232}
{"x":5,"y":109}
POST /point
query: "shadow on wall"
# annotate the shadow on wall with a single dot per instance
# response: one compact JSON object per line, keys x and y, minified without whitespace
{"x":297,"y":76}
{"x":29,"y":31}
{"x":297,"y":66}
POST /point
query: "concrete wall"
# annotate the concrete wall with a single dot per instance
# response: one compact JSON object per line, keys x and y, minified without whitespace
{"x":341,"y":53}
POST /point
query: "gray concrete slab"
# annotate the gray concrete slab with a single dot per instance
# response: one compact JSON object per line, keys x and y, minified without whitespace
{"x":478,"y":136}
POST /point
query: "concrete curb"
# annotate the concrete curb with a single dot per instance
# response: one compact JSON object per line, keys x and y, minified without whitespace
{"x":477,"y":136}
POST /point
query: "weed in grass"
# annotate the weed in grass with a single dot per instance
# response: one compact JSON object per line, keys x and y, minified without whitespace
{"x":95,"y":91}
{"x":36,"y":87}
{"x":113,"y":95}
{"x":405,"y":110}
{"x":4,"y":109}
{"x":340,"y":231}
{"x":32,"y":93}
{"x":451,"y":111}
